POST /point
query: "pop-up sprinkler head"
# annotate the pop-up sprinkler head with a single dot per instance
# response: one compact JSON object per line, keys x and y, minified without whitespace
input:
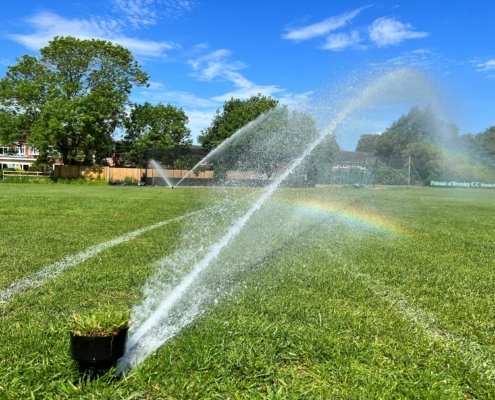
{"x":98,"y":341}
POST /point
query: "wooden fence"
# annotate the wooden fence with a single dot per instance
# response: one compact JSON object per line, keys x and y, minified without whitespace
{"x":181,"y":173}
{"x":80,"y":171}
{"x":121,"y":174}
{"x":25,"y":174}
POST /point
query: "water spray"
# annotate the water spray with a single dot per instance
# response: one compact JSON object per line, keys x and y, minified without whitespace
{"x":151,"y":334}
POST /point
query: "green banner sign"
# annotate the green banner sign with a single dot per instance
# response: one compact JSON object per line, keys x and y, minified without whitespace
{"x":461,"y":183}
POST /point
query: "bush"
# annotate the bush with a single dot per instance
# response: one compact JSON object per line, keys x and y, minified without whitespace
{"x":386,"y":175}
{"x":59,"y":181}
{"x":26,"y":179}
{"x":80,"y":181}
{"x":41,"y":166}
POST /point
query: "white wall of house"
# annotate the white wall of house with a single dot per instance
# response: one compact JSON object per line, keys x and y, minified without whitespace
{"x":18,"y":156}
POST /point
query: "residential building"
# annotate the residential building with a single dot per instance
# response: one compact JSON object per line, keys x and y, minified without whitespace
{"x":19,"y":156}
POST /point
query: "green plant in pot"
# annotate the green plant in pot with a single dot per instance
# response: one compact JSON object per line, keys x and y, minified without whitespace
{"x":98,"y":340}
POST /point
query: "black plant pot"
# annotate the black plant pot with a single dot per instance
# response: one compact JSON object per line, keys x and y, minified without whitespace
{"x":97,"y":354}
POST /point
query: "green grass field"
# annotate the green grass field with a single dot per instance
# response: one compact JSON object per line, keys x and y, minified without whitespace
{"x":389,"y":294}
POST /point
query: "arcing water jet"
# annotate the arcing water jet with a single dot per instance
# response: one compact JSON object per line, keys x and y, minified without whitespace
{"x":166,"y":310}
{"x":163,"y":174}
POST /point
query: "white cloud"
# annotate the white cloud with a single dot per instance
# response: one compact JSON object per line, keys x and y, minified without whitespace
{"x":177,"y":97}
{"x":486,"y":66}
{"x":422,"y":51}
{"x":323,"y":27}
{"x":201,"y":116}
{"x":142,"y":13}
{"x":249,"y":89}
{"x":216,"y":65}
{"x":299,"y":100}
{"x":340,"y":41}
{"x":153,"y":85}
{"x":47,"y":25}
{"x":209,"y":66}
{"x":199,"y":110}
{"x":426,"y":59}
{"x":199,"y":120}
{"x":412,"y":59}
{"x":388,"y":31}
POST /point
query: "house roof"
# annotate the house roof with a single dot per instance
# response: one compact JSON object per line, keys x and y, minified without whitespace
{"x":355,"y":157}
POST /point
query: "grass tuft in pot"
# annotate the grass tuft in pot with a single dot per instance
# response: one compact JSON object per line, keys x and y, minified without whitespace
{"x":98,"y":340}
{"x":103,"y":324}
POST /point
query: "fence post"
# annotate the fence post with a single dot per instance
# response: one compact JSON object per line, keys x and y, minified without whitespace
{"x":362,"y":170}
{"x":409,"y":176}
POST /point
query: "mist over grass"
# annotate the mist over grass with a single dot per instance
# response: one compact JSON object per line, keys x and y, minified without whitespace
{"x":335,"y":307}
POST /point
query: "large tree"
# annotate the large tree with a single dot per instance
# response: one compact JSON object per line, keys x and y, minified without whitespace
{"x":417,"y":126}
{"x":368,"y":143}
{"x":419,"y":134}
{"x":272,"y":143}
{"x":401,"y":139}
{"x":236,"y":113}
{"x":157,"y":127}
{"x":69,"y":100}
{"x":481,"y":146}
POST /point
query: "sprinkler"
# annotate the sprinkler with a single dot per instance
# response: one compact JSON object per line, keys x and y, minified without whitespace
{"x":98,"y":341}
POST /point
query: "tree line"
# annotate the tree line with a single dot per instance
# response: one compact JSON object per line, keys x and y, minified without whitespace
{"x":74,"y":98}
{"x":71,"y":100}
{"x":435,"y":146}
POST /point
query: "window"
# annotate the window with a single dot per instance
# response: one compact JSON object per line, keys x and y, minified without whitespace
{"x":20,"y":149}
{"x":33,"y":151}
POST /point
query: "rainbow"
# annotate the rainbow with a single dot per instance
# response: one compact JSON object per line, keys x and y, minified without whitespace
{"x":348,"y":214}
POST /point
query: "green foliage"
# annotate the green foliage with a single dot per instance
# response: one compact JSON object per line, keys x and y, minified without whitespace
{"x":482,"y":146}
{"x":326,"y":152}
{"x":273,"y":143}
{"x":26,"y":179}
{"x":99,"y":324}
{"x":187,"y":162}
{"x":368,"y":143}
{"x":236,"y":113}
{"x":388,"y":175}
{"x":58,"y":181}
{"x":433,"y":145}
{"x":41,"y":165}
{"x":70,"y":100}
{"x":426,"y":158}
{"x":154,"y":127}
{"x":401,"y":138}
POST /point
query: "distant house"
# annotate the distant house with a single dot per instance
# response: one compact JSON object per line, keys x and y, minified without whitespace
{"x":353,"y":159}
{"x":20,"y":156}
{"x":115,"y":160}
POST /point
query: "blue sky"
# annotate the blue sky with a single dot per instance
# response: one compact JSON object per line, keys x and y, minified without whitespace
{"x":200,"y":53}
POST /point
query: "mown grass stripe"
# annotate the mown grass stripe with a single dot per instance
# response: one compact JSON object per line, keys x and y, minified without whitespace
{"x":471,"y":352}
{"x":51,"y":271}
